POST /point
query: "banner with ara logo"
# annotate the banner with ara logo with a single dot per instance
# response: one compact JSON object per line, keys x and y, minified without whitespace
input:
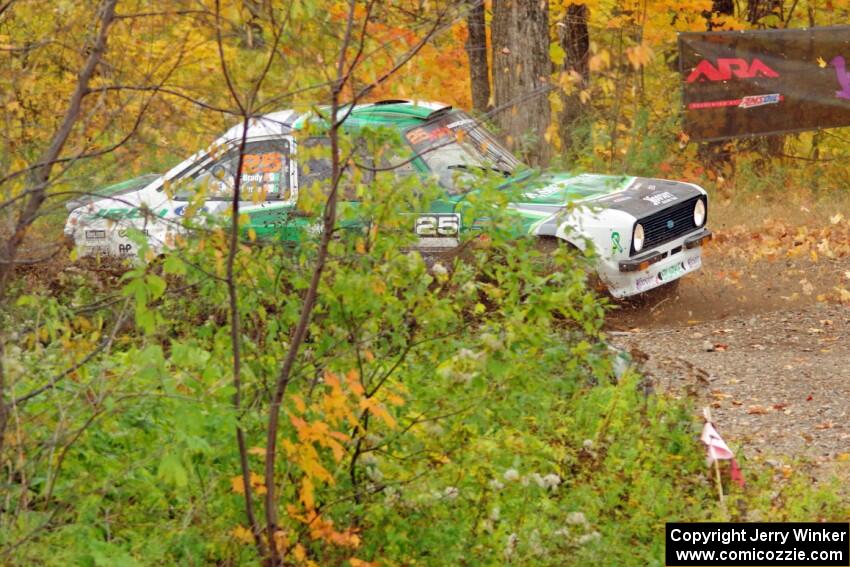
{"x":749,"y":83}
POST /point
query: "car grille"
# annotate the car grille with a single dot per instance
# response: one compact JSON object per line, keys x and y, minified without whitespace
{"x":656,"y":227}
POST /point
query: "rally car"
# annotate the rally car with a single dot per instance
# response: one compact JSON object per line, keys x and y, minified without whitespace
{"x":647,"y":232}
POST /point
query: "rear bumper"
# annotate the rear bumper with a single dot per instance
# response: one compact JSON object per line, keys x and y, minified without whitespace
{"x":656,"y":267}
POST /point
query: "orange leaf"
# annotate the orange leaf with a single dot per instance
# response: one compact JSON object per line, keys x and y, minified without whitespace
{"x":353,"y":380}
{"x":374,"y":406}
{"x":299,"y":403}
{"x":236,"y":485}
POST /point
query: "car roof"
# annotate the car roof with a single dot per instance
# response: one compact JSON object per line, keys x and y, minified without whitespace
{"x":394,"y":113}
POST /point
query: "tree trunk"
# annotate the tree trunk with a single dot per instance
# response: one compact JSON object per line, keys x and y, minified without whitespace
{"x":476,"y":50}
{"x":575,"y":41}
{"x":722,"y":7}
{"x":521,"y":69}
{"x":757,"y":9}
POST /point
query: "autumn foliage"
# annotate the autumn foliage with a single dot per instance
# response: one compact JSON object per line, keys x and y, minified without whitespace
{"x":346,"y":402}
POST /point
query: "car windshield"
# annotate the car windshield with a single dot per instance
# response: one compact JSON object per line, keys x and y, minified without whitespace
{"x":455,"y":148}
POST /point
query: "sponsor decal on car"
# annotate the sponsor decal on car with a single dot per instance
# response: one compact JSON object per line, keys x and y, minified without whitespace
{"x":671,"y":272}
{"x":644,"y":283}
{"x":181,"y":210}
{"x":727,"y":68}
{"x":120,"y":213}
{"x":95,"y":250}
{"x":668,"y":274}
{"x":95,"y":234}
{"x":660,"y":198}
{"x":123,"y":232}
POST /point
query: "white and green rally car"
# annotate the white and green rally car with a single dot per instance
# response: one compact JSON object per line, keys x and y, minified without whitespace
{"x":647,"y":232}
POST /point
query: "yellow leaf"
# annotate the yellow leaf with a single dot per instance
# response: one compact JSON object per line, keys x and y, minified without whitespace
{"x":639,"y":55}
{"x":259,"y":451}
{"x":281,"y":539}
{"x":307,"y":495}
{"x":299,"y":553}
{"x":299,"y":403}
{"x":821,"y":62}
{"x":242,"y":534}
{"x":258,"y":483}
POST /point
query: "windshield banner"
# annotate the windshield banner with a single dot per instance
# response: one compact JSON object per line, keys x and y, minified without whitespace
{"x":747,"y":83}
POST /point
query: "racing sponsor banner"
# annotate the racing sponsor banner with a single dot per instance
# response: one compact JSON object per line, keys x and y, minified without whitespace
{"x":747,"y":83}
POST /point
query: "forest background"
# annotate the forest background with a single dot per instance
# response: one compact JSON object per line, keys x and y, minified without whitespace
{"x":230,"y":404}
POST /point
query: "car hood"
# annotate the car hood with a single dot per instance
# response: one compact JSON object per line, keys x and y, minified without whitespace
{"x":638,"y":196}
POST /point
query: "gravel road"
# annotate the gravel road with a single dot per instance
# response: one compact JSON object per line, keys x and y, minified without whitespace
{"x":768,"y":351}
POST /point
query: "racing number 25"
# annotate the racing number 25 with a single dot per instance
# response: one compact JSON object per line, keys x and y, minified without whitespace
{"x":437,"y":225}
{"x":262,"y":163}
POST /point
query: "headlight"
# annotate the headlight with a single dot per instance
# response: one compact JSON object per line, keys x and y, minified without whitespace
{"x":699,"y":213}
{"x":637,"y":238}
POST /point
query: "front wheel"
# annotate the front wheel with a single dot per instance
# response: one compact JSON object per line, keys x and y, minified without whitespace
{"x":548,"y":245}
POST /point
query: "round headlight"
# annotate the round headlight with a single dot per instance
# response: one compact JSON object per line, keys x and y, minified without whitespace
{"x":699,"y":213}
{"x":637,"y":238}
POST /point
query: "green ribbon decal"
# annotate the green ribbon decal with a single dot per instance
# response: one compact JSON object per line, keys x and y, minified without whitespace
{"x":615,"y":242}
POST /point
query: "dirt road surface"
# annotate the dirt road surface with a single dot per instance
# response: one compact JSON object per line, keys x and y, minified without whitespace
{"x":763,"y":341}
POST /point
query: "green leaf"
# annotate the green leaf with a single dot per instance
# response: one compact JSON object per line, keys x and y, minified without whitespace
{"x":172,"y":471}
{"x":156,"y":285}
{"x":174,"y":265}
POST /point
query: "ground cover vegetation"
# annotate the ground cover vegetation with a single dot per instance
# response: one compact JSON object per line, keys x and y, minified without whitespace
{"x":344,"y":402}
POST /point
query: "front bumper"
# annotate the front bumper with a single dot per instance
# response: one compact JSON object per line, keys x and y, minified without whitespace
{"x":654,"y":268}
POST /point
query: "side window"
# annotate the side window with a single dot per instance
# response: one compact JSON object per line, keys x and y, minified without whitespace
{"x":265,"y":173}
{"x":314,"y":166}
{"x":314,"y":162}
{"x":398,"y":163}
